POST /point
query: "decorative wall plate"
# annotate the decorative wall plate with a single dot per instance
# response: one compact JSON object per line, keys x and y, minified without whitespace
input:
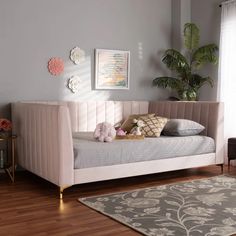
{"x":77,"y":55}
{"x":56,"y":66}
{"x":73,"y":84}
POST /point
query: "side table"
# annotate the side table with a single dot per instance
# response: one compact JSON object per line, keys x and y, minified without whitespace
{"x":231,"y":150}
{"x":9,"y":161}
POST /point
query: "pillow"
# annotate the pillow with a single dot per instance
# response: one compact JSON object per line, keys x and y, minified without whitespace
{"x":182,"y":127}
{"x":153,"y":126}
{"x":128,"y":123}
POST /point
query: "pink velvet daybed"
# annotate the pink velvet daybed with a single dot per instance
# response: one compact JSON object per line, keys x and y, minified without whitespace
{"x":45,"y":143}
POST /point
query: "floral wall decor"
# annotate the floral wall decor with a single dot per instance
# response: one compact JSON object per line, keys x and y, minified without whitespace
{"x":56,"y":66}
{"x":73,"y":84}
{"x":77,"y":55}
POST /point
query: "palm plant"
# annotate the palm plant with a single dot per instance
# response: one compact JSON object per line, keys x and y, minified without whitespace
{"x":186,"y":81}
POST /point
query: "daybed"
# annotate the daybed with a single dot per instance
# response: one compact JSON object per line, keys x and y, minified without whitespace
{"x":45,"y":142}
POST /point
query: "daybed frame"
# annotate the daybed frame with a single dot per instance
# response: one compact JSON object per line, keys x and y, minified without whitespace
{"x":45,"y":145}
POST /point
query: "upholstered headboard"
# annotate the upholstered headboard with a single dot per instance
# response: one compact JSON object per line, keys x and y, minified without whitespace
{"x":86,"y":115}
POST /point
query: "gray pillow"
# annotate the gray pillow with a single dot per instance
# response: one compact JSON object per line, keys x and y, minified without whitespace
{"x":182,"y":127}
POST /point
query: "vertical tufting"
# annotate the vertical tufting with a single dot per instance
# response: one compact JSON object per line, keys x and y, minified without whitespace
{"x":110,"y":112}
{"x":44,"y":141}
{"x":143,"y":107}
{"x":127,"y":109}
{"x":209,"y":114}
{"x":85,"y":116}
{"x":118,"y":112}
{"x":72,"y":106}
{"x":91,"y":115}
{"x":189,"y":111}
{"x":135,"y":107}
{"x":201,"y":112}
{"x":100,"y":112}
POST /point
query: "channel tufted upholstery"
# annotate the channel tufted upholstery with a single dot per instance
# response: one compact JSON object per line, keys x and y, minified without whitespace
{"x":86,"y":115}
{"x":45,"y":145}
{"x":209,"y":114}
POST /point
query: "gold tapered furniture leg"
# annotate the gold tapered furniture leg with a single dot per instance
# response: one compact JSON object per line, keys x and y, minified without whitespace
{"x":61,"y":189}
{"x":61,"y":192}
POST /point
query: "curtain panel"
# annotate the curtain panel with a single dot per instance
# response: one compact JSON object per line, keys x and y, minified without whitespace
{"x":227,"y":68}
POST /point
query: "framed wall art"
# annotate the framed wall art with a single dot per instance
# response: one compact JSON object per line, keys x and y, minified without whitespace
{"x":112,"y":69}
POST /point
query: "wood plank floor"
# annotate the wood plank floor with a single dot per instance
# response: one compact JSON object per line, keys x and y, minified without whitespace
{"x":31,"y":205}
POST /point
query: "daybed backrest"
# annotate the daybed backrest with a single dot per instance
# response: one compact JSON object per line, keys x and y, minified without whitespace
{"x":209,"y":114}
{"x":86,"y":115}
{"x":205,"y":113}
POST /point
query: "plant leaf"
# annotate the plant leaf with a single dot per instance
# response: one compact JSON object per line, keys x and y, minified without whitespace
{"x":175,"y":61}
{"x":198,"y":81}
{"x":205,"y":54}
{"x":191,"y":36}
{"x":167,"y":82}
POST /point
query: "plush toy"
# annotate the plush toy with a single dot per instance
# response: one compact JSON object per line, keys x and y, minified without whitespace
{"x":120,"y":132}
{"x":104,"y":132}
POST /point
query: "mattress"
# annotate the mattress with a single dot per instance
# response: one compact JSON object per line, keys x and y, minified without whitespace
{"x":90,"y":153}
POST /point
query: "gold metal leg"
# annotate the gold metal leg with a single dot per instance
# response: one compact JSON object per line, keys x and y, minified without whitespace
{"x":62,"y":190}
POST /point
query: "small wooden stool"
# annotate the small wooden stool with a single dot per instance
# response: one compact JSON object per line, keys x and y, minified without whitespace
{"x":231,"y":150}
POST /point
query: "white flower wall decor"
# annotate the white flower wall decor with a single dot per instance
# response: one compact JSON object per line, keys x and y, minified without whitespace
{"x":77,"y":55}
{"x":74,"y":83}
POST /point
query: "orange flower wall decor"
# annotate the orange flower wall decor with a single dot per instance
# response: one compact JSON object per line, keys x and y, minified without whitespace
{"x":56,"y":66}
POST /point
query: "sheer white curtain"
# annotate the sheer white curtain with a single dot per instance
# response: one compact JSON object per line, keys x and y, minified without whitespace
{"x":227,"y":68}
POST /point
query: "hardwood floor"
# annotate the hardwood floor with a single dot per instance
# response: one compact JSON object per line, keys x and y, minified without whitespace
{"x":31,"y":206}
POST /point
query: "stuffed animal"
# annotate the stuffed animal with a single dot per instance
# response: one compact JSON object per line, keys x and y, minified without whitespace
{"x":104,"y":132}
{"x":120,"y":132}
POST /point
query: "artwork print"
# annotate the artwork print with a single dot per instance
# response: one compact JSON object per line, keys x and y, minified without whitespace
{"x":112,"y":69}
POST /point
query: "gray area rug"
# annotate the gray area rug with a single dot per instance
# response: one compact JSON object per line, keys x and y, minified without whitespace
{"x":200,"y":207}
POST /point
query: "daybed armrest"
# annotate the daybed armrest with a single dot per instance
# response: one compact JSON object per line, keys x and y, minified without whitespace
{"x":44,"y":143}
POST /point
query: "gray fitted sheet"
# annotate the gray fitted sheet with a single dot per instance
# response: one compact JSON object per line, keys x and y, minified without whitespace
{"x":90,"y":153}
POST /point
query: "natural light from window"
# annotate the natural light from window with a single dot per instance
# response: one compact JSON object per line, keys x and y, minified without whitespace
{"x":227,"y":71}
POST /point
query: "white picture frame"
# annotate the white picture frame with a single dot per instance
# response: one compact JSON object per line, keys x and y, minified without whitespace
{"x":112,"y":69}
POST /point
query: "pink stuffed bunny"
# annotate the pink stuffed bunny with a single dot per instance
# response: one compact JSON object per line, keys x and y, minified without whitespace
{"x":104,"y":132}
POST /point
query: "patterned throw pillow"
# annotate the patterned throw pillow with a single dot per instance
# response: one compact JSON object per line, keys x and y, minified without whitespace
{"x":153,"y":126}
{"x":128,"y":123}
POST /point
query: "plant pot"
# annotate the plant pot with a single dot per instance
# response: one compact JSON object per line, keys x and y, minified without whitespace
{"x":188,"y":96}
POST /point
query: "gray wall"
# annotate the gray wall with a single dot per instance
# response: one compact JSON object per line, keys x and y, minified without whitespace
{"x":32,"y":31}
{"x":207,"y":14}
{"x":181,"y":14}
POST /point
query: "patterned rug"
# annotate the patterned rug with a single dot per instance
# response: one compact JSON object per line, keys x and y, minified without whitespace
{"x":200,"y":207}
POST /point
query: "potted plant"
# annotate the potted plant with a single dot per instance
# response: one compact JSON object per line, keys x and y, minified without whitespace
{"x":186,"y":81}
